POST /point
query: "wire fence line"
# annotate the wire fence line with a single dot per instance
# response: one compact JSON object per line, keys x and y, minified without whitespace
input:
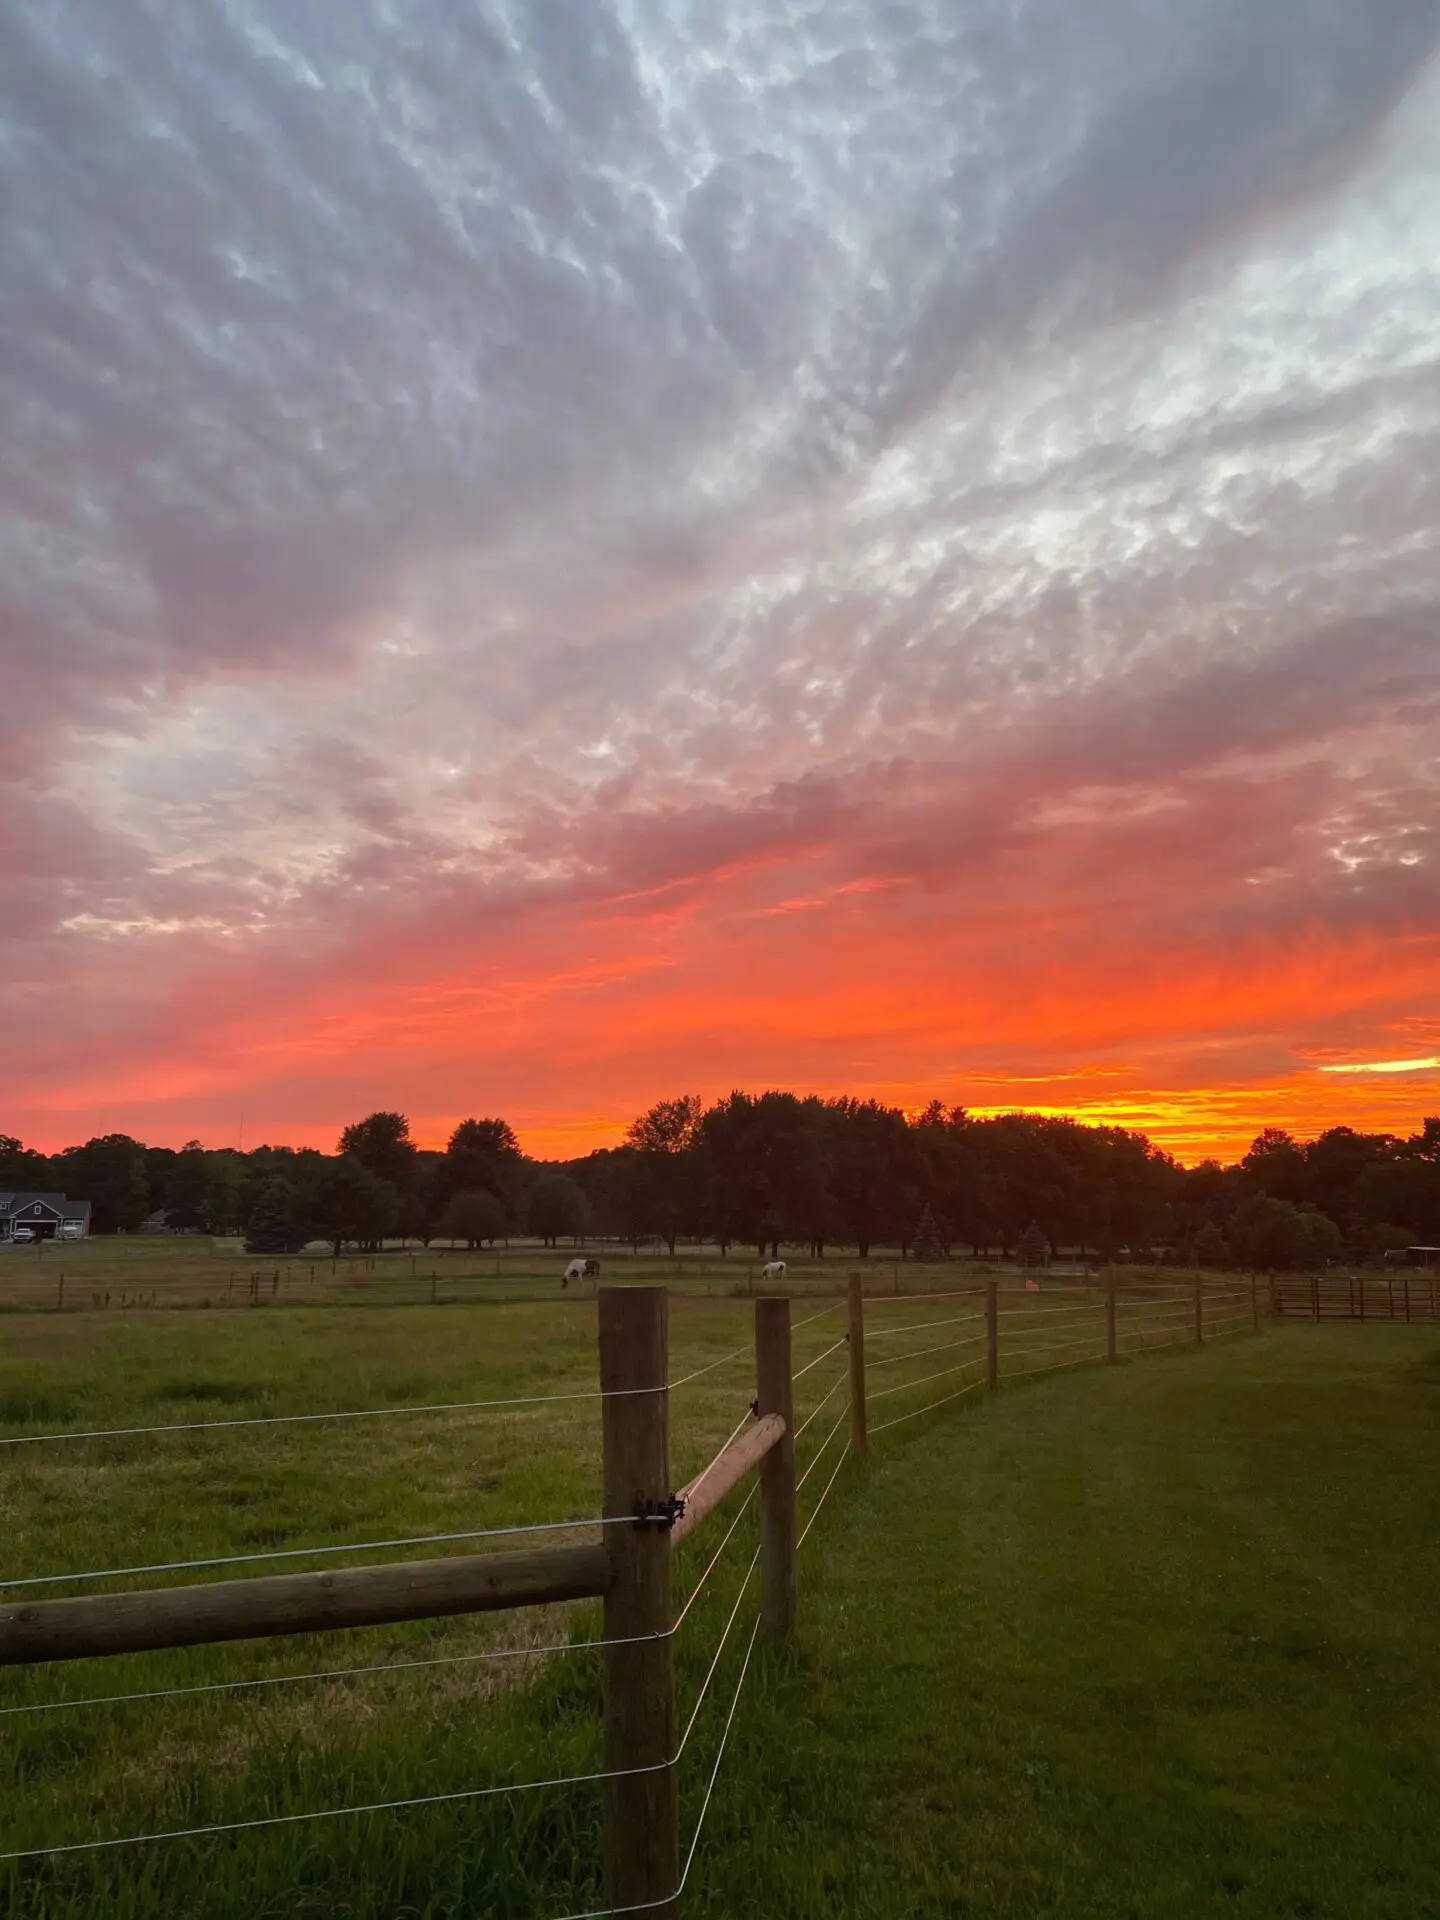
{"x":930,"y":1407}
{"x":924,"y":1326}
{"x":819,"y":1359}
{"x":307,"y":1553}
{"x":899,"y":1359}
{"x":336,"y":1813}
{"x":339,"y":1673}
{"x":820,"y":1405}
{"x":819,"y":1453}
{"x":1077,"y":1344}
{"x":911,"y":1386}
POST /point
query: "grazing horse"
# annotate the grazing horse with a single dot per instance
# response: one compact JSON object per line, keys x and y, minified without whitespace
{"x":773,"y":1270}
{"x":592,"y":1269}
{"x":575,"y":1271}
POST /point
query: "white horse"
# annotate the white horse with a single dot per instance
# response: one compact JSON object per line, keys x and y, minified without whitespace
{"x":575,"y":1271}
{"x":773,"y":1270}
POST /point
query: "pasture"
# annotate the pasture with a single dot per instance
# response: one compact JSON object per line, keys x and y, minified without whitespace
{"x":990,"y":1554}
{"x":122,"y":1272}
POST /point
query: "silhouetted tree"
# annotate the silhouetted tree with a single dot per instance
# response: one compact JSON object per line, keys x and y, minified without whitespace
{"x":554,"y":1206}
{"x":348,"y":1203}
{"x":473,"y":1216}
{"x":381,"y":1143}
{"x":1210,"y":1248}
{"x":272,"y":1226}
{"x":109,"y":1172}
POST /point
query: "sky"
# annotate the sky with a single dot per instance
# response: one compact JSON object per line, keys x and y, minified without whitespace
{"x":555,"y":556}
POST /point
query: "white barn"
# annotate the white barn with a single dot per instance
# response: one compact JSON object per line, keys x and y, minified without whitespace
{"x":26,"y":1217}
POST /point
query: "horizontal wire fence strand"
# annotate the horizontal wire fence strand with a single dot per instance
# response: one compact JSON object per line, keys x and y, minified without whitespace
{"x":334,"y":1673}
{"x":824,"y":1495}
{"x":1044,"y":1317}
{"x":823,"y":1314}
{"x":974,"y":1387}
{"x":909,"y":1386}
{"x":700,"y":1584}
{"x":885,"y":1298}
{"x":820,"y":1405}
{"x":1054,"y":1346}
{"x":1055,"y":1366}
{"x":715,"y":1657}
{"x":363,"y":1413}
{"x":924,"y":1326}
{"x":700,"y":1372}
{"x":749,"y":1415}
{"x":819,"y":1359}
{"x":946,"y":1346}
{"x":820,"y":1450}
{"x":308,"y":1553}
{"x":648,"y":1906}
{"x":332,"y":1813}
{"x":720,"y":1755}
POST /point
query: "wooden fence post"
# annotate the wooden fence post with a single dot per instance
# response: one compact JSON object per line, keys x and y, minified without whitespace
{"x":1254,"y":1304}
{"x":1199,"y":1314}
{"x":859,"y":1436}
{"x":642,"y":1833}
{"x":777,"y":1473}
{"x":1111,"y":1345}
{"x":992,"y":1334}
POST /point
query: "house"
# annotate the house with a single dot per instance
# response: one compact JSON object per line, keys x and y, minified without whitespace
{"x":26,"y":1217}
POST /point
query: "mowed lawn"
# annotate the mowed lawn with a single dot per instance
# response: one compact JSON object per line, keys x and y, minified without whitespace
{"x":1149,"y":1641}
{"x":1158,"y":1641}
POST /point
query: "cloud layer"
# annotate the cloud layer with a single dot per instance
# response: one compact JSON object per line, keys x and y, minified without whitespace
{"x":551,"y":555}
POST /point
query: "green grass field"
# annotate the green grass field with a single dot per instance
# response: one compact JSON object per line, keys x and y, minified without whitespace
{"x":1151,"y":1640}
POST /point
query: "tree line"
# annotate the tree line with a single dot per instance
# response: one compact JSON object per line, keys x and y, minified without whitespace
{"x":780,"y":1169}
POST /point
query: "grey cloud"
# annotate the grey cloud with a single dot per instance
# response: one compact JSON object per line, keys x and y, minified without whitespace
{"x":571,"y":336}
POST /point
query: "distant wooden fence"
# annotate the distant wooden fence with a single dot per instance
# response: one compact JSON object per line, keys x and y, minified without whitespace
{"x":644,"y":1518}
{"x":1384,"y":1297}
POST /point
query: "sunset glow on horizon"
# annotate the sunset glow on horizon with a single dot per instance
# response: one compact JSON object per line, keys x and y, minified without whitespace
{"x":558,"y":560}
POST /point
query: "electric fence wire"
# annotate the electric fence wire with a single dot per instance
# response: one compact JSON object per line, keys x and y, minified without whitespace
{"x":820,"y":1405}
{"x":362,"y":1413}
{"x":915,"y":1412}
{"x":335,"y":1673}
{"x":334,"y":1813}
{"x":306,"y":1553}
{"x":1076,"y":1342}
{"x":700,"y":1584}
{"x":819,"y":1453}
{"x":811,"y":1365}
{"x":908,"y":1386}
{"x":898,"y":1359}
{"x":923,"y":1326}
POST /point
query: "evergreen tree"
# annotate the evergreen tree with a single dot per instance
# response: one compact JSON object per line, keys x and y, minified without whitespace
{"x":927,"y":1245}
{"x":271,"y":1227}
{"x":1032,"y":1249}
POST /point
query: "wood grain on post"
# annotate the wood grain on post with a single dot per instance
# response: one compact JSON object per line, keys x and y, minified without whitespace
{"x":642,"y":1843}
{"x":992,"y":1334}
{"x":859,"y":1434}
{"x":1111,"y":1343}
{"x":107,"y":1623}
{"x":777,"y":1473}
